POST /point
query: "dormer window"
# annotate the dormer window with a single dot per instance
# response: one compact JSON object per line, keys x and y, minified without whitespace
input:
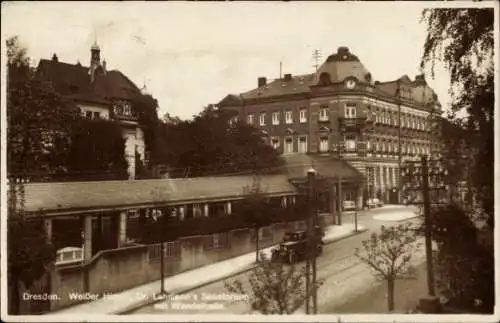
{"x":324,"y":79}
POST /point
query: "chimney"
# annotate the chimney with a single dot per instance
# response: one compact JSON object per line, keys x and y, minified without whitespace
{"x":104,"y":67}
{"x":288,"y":77}
{"x":261,"y":81}
{"x":54,"y":58}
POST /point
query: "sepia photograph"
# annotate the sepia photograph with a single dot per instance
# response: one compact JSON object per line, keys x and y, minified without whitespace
{"x":248,"y":161}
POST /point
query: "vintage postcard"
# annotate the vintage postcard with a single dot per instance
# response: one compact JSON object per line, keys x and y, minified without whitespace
{"x":249,"y":161}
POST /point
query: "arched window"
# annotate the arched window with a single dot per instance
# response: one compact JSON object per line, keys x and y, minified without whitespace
{"x":324,"y":79}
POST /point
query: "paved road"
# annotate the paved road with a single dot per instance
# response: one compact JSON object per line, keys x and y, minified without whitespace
{"x":345,"y":277}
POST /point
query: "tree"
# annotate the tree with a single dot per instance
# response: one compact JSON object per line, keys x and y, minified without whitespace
{"x":38,"y":118}
{"x":389,"y":254}
{"x":463,"y":39}
{"x":97,"y":147}
{"x":256,"y":211}
{"x":29,"y":251}
{"x":465,"y":267}
{"x":274,"y":287}
{"x":209,"y":145}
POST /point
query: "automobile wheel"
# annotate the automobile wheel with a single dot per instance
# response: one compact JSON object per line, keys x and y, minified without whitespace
{"x":292,"y":258}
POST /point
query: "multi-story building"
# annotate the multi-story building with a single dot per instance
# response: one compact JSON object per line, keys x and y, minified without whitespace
{"x":99,"y":93}
{"x":341,"y":110}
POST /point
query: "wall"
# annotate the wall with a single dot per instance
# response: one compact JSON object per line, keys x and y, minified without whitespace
{"x":120,"y":269}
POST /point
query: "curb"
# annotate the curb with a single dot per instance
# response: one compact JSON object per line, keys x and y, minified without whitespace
{"x":151,"y":301}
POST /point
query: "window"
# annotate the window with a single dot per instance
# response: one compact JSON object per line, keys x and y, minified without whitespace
{"x":97,"y":115}
{"x":275,"y":142}
{"x":288,"y":145}
{"x":250,"y":118}
{"x":368,"y":145}
{"x":262,"y":119}
{"x":323,"y":144}
{"x":276,"y":118}
{"x":127,"y":109}
{"x":303,"y":115}
{"x":289,"y":117}
{"x":233,"y":120}
{"x":323,"y":114}
{"x":302,"y":144}
{"x":350,"y":143}
{"x":88,"y":114}
{"x":350,"y":110}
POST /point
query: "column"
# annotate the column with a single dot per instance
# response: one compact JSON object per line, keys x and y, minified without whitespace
{"x":360,"y":197}
{"x":283,"y":202}
{"x":333,"y":199}
{"x":394,"y":176}
{"x":205,"y":209}
{"x":388,"y":177}
{"x":381,"y":178}
{"x":87,"y":237}
{"x":48,"y":229}
{"x":182,"y":212}
{"x":228,"y":208}
{"x":122,"y":228}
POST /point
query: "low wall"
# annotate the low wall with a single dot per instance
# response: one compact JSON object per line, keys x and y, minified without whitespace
{"x":116,"y":270}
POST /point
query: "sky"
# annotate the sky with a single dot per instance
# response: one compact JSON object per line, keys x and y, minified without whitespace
{"x":192,"y":54}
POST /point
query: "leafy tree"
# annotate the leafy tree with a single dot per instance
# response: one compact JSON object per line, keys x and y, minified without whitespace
{"x":38,"y":118}
{"x":208,"y":144}
{"x":389,"y":254}
{"x":256,"y":211}
{"x":97,"y":147}
{"x":29,"y":251}
{"x":465,"y":267}
{"x":274,"y":287}
{"x":462,"y":38}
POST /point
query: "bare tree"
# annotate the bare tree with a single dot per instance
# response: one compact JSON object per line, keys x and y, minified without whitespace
{"x":275,"y":287}
{"x":388,"y":254}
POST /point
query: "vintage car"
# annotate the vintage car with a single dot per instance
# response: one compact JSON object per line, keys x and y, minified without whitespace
{"x":294,"y":247}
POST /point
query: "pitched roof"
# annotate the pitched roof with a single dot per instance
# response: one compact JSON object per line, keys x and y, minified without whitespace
{"x":418,"y":89}
{"x":297,"y":165}
{"x":75,"y":81}
{"x":296,"y":84}
{"x":339,"y":66}
{"x":64,"y":197}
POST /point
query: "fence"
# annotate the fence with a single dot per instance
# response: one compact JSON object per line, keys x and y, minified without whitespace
{"x":172,"y":249}
{"x":216,"y":241}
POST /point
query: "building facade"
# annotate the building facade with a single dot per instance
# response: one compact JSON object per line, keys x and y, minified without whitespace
{"x":99,"y":94}
{"x":340,"y":110}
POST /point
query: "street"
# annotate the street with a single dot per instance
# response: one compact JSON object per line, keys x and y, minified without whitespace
{"x":345,"y":276}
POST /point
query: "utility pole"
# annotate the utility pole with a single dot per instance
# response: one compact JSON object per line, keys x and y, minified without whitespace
{"x":162,"y":269}
{"x":428,"y":224}
{"x":316,"y":56}
{"x":311,"y":245}
{"x":281,"y":68}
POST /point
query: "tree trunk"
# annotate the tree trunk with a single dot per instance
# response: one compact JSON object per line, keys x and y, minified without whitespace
{"x":256,"y":245}
{"x":14,"y":299}
{"x":390,"y":294}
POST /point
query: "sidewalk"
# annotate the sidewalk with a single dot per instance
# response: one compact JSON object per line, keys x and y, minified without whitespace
{"x":142,"y":295}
